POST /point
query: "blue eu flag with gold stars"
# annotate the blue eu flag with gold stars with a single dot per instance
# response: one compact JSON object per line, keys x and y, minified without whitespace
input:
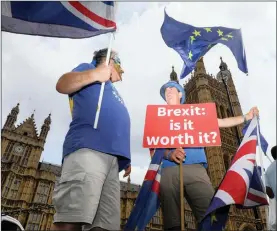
{"x":193,"y":42}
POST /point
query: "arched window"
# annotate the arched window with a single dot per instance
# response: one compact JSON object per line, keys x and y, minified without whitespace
{"x":222,"y":111}
{"x":34,"y":221}
{"x":232,"y":129}
{"x":8,"y":150}
{"x":228,"y":112}
{"x":217,"y":111}
{"x":226,"y":161}
{"x":8,"y":186}
{"x":24,"y":161}
{"x":247,"y":227}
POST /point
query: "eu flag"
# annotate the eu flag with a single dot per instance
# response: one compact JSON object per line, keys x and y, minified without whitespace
{"x":193,"y":42}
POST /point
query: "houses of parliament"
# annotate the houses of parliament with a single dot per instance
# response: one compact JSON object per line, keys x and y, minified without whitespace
{"x":27,"y":184}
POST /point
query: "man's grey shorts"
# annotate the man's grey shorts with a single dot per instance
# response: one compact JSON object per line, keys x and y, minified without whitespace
{"x":88,"y":191}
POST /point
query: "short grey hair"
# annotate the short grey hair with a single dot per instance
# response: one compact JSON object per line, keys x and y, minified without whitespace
{"x":100,"y":56}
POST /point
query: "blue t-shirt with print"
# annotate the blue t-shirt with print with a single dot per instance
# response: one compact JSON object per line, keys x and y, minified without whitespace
{"x":193,"y":156}
{"x":112,"y":135}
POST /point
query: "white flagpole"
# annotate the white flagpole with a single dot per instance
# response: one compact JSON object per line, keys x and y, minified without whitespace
{"x":260,"y":151}
{"x":102,"y":85}
{"x":268,"y":158}
{"x":262,"y":165}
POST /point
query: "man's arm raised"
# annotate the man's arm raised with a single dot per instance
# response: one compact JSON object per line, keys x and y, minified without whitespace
{"x":234,"y":121}
{"x":74,"y":81}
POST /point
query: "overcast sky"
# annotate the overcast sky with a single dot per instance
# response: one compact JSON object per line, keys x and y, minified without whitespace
{"x":32,"y":65}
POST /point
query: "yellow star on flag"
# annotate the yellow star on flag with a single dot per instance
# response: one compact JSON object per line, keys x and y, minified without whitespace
{"x":190,"y":55}
{"x":213,"y":218}
{"x":192,"y":39}
{"x":208,"y":29}
{"x":71,"y":105}
{"x":196,"y":33}
{"x":220,"y":33}
{"x":230,"y":36}
{"x":224,"y":39}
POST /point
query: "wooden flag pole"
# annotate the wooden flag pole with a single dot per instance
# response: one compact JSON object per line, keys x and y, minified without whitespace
{"x":182,"y":196}
{"x":103,"y":85}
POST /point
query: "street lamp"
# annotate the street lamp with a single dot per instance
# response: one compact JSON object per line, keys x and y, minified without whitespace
{"x":222,"y":76}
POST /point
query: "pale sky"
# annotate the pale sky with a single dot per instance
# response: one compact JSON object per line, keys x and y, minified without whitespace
{"x":31,"y":66}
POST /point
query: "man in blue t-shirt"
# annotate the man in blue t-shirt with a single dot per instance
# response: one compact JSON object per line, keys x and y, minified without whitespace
{"x":198,"y":189}
{"x":88,"y":193}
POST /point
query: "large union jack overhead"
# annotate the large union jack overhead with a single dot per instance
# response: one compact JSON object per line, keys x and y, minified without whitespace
{"x":71,"y":19}
{"x":242,"y":184}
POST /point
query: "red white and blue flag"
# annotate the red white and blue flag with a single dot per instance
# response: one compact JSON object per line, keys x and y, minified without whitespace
{"x":147,"y":202}
{"x":63,"y":19}
{"x":241,"y":186}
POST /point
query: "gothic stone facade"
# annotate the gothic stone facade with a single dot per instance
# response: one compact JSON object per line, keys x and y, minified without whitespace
{"x":26,"y":184}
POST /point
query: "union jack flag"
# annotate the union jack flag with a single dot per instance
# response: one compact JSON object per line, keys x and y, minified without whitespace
{"x":242,"y":184}
{"x":147,"y":202}
{"x":63,"y":19}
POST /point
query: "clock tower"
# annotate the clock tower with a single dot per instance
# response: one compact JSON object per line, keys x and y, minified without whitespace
{"x":26,"y":183}
{"x":21,"y":144}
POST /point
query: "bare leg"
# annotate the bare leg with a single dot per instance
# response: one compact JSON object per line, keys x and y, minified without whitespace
{"x":66,"y":227}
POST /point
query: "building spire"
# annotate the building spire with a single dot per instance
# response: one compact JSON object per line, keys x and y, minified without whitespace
{"x":200,"y":67}
{"x":12,"y":117}
{"x":45,"y":128}
{"x":32,"y":116}
{"x":224,"y":73}
{"x":173,"y":75}
{"x":223,"y":66}
{"x":15,"y":110}
{"x":48,"y":119}
{"x":129,"y":183}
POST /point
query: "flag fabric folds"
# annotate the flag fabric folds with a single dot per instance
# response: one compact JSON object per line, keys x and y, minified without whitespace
{"x":147,"y":202}
{"x":241,"y":185}
{"x":193,"y":42}
{"x":63,"y":19}
{"x":264,"y":143}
